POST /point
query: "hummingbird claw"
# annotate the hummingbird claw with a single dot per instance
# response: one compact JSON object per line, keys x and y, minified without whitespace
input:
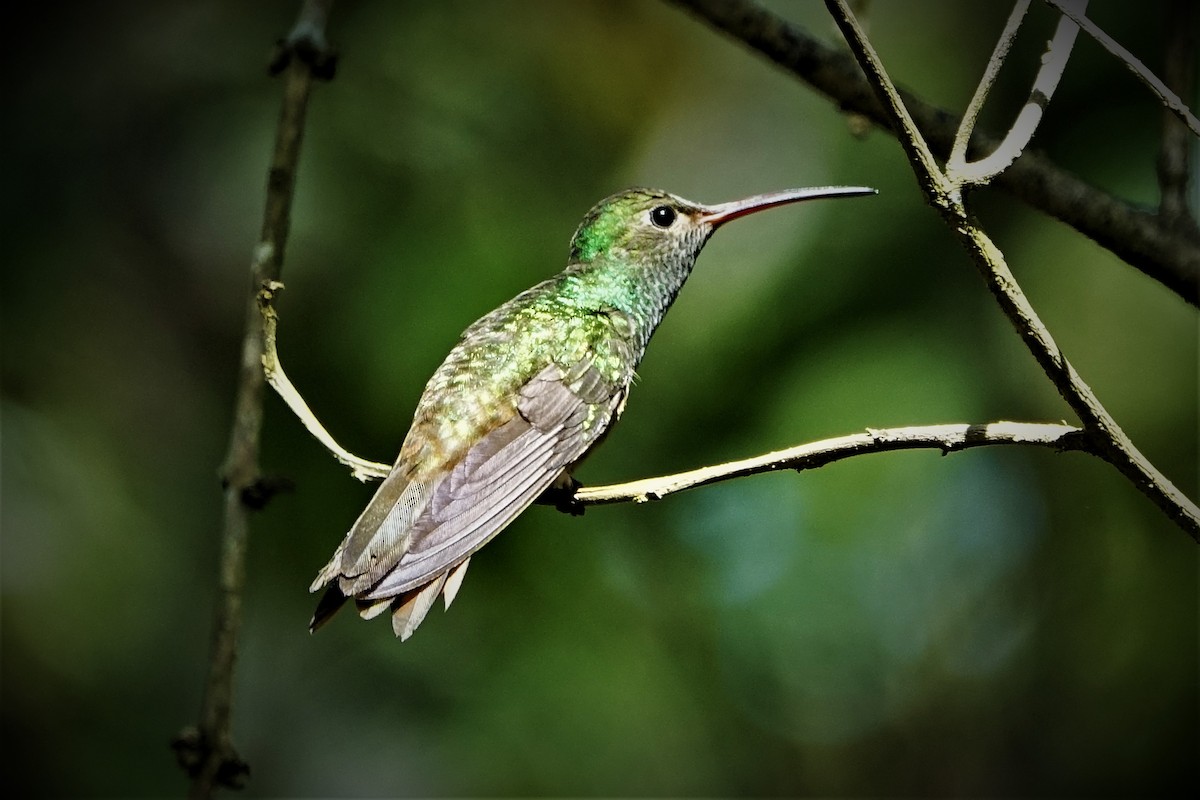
{"x":571,"y":505}
{"x":561,"y":495}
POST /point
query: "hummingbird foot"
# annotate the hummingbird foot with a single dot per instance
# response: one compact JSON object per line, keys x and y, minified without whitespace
{"x":561,"y":495}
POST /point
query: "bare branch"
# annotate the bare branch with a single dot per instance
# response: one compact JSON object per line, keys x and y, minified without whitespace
{"x":1175,"y":151}
{"x":947,"y":438}
{"x":928,"y":173}
{"x":206,"y":751}
{"x":1161,"y":251}
{"x":1109,"y":441}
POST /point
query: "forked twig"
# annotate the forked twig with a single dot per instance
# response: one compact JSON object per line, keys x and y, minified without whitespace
{"x":958,"y":169}
{"x":205,"y":751}
{"x":957,"y":159}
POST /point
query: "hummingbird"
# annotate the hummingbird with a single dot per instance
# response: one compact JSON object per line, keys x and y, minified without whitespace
{"x":527,"y":392}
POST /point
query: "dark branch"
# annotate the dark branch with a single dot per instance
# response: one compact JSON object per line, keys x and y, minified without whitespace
{"x":206,"y":750}
{"x":1174,"y":158}
{"x":1162,"y":251}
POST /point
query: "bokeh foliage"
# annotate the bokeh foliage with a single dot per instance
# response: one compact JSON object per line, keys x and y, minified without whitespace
{"x":991,"y":623}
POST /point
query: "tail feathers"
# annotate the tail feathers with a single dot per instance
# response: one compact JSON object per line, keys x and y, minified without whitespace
{"x":409,"y":609}
{"x":327,"y":606}
{"x":454,"y":579}
{"x":370,"y":609}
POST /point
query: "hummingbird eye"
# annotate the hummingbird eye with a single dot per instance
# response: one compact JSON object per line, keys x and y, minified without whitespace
{"x":662,"y":216}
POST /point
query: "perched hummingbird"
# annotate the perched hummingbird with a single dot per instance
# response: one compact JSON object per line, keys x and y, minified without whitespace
{"x":528,"y":390}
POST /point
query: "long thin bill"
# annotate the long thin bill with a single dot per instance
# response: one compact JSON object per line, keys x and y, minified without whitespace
{"x":720,"y":214}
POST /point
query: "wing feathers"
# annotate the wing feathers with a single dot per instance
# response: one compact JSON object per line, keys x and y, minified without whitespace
{"x":458,"y":536}
{"x":373,"y":544}
{"x":416,"y":537}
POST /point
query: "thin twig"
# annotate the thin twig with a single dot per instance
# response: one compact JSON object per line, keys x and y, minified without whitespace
{"x":360,"y":468}
{"x":1141,"y":238}
{"x":1021,"y":132}
{"x":1110,"y":441}
{"x":1168,"y":98}
{"x":937,"y":187}
{"x":206,"y":751}
{"x":947,"y":438}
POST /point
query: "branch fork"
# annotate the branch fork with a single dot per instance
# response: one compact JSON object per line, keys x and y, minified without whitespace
{"x":943,"y":190}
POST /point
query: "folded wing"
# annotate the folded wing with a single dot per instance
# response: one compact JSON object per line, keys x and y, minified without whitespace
{"x":416,"y":536}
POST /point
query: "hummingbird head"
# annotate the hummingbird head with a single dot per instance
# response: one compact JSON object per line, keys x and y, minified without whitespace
{"x":657,"y":228}
{"x":636,"y":248}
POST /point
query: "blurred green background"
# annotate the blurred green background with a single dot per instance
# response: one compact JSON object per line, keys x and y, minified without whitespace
{"x":997,"y":623}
